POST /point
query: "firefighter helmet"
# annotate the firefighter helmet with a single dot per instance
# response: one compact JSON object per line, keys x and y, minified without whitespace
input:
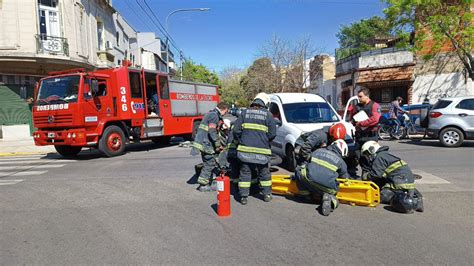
{"x":337,"y":131}
{"x":261,"y":99}
{"x":370,"y":147}
{"x":341,"y":146}
{"x":226,"y":124}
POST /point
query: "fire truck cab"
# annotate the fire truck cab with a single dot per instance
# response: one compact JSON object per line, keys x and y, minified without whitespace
{"x":107,"y":108}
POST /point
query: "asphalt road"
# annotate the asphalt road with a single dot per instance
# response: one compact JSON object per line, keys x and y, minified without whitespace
{"x":140,"y":209}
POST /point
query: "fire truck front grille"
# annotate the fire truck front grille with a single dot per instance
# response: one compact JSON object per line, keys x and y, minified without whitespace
{"x":53,"y":119}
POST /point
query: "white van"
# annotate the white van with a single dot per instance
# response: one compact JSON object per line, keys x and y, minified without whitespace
{"x":300,"y":113}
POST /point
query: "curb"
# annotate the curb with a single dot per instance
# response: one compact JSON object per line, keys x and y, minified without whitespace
{"x":12,"y":154}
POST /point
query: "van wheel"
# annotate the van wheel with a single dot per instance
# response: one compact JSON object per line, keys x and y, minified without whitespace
{"x":290,"y":158}
{"x":112,"y":142}
{"x":451,"y":137}
{"x":68,"y":151}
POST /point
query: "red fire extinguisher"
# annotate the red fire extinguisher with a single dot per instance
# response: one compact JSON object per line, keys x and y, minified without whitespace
{"x":223,"y":195}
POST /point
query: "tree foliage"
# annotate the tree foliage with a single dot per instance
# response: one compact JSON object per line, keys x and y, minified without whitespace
{"x":282,"y":66}
{"x":198,"y":73}
{"x":357,"y":36}
{"x":444,"y":22}
{"x":231,"y":89}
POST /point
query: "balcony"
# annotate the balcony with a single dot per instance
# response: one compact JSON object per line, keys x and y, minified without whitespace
{"x":375,"y":59}
{"x":51,"y":45}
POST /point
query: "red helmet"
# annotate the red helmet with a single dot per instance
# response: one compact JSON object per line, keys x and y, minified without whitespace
{"x":337,"y":131}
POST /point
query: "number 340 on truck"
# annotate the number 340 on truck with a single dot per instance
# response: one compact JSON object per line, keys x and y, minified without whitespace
{"x":108,"y":108}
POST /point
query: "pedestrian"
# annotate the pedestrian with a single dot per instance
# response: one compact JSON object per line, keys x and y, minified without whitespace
{"x":207,"y":143}
{"x":253,"y":131}
{"x":365,"y":130}
{"x":310,"y":141}
{"x":394,"y":177}
{"x":395,"y":112}
{"x":318,"y":177}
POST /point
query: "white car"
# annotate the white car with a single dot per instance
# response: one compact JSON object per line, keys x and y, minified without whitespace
{"x":300,"y":113}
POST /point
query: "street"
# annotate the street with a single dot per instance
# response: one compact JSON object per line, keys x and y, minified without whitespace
{"x":139,"y":208}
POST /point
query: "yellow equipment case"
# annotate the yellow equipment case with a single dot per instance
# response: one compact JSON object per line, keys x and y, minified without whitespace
{"x":353,"y":192}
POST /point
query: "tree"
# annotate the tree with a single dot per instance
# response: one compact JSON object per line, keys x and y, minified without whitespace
{"x":260,"y":77}
{"x":357,"y":36}
{"x":231,"y":90}
{"x":441,"y":21}
{"x":283,"y":66}
{"x":198,"y":73}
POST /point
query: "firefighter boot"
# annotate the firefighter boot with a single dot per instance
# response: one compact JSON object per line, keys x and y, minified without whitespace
{"x":326,"y":205}
{"x":419,"y":203}
{"x":267,"y":197}
{"x":243,"y":200}
{"x":204,"y":188}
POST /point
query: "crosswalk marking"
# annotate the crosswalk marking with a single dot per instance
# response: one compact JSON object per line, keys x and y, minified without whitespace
{"x":22,"y":167}
{"x":10,"y":182}
{"x":428,"y":178}
{"x":2,"y":162}
{"x":22,"y":173}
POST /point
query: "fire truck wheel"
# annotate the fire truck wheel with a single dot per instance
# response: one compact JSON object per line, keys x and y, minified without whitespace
{"x":68,"y":151}
{"x":112,"y":142}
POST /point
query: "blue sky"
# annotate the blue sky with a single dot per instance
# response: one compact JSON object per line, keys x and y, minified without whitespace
{"x":231,"y":33}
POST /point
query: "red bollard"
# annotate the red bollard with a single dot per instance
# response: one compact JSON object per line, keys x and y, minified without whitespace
{"x":223,"y":195}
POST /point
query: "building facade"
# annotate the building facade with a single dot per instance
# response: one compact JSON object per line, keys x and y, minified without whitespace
{"x":41,"y":36}
{"x":322,"y":72}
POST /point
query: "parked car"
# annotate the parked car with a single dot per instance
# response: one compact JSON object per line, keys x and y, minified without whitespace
{"x":452,"y":120}
{"x":300,"y":113}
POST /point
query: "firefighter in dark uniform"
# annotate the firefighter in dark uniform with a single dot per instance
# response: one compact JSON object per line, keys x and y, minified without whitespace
{"x":365,"y":130}
{"x":207,"y":142}
{"x":253,"y":131}
{"x":318,"y":177}
{"x":310,"y":141}
{"x":394,"y":177}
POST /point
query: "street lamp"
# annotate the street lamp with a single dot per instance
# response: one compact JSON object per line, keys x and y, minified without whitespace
{"x":200,"y":9}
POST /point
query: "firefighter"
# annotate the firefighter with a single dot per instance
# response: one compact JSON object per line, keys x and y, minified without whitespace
{"x":365,"y":130}
{"x":253,"y":131}
{"x":207,"y":142}
{"x":394,"y":177}
{"x":318,"y":177}
{"x":310,"y":141}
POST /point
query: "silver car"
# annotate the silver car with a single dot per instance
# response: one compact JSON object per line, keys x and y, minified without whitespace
{"x":452,"y":120}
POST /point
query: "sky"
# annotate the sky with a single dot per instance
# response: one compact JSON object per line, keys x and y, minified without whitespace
{"x":231,"y":33}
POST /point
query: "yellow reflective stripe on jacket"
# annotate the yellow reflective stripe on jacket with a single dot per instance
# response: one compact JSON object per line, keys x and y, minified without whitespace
{"x":198,"y":146}
{"x":243,"y":148}
{"x":244,"y":184}
{"x":394,"y":166}
{"x":404,"y":186}
{"x":325,"y":164}
{"x":204,"y":127}
{"x":231,"y":146}
{"x":266,"y":183}
{"x":319,"y":187}
{"x":255,"y":127}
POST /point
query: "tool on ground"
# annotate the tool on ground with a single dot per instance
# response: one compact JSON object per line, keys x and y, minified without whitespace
{"x":223,"y":195}
{"x":353,"y":192}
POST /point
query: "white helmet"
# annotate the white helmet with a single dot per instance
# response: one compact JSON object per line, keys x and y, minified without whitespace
{"x":370,"y":147}
{"x":226,"y":124}
{"x":263,"y":97}
{"x":342,"y":146}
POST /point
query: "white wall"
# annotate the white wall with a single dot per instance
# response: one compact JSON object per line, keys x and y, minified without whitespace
{"x":388,"y":59}
{"x":436,"y":86}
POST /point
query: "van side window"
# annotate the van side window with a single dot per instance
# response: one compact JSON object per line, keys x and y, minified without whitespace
{"x":164,"y":89}
{"x":135,"y":85}
{"x":467,"y":104}
{"x":275,"y":110}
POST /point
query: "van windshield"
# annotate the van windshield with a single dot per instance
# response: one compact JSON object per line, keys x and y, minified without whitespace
{"x":59,"y":90}
{"x":303,"y":113}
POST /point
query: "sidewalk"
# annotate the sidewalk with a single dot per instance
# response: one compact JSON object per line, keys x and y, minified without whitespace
{"x":23,"y":147}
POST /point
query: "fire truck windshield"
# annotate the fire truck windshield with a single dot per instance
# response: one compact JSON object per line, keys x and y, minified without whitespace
{"x":59,"y":90}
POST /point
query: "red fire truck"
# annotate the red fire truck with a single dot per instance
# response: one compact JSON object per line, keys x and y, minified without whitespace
{"x":106,"y":109}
